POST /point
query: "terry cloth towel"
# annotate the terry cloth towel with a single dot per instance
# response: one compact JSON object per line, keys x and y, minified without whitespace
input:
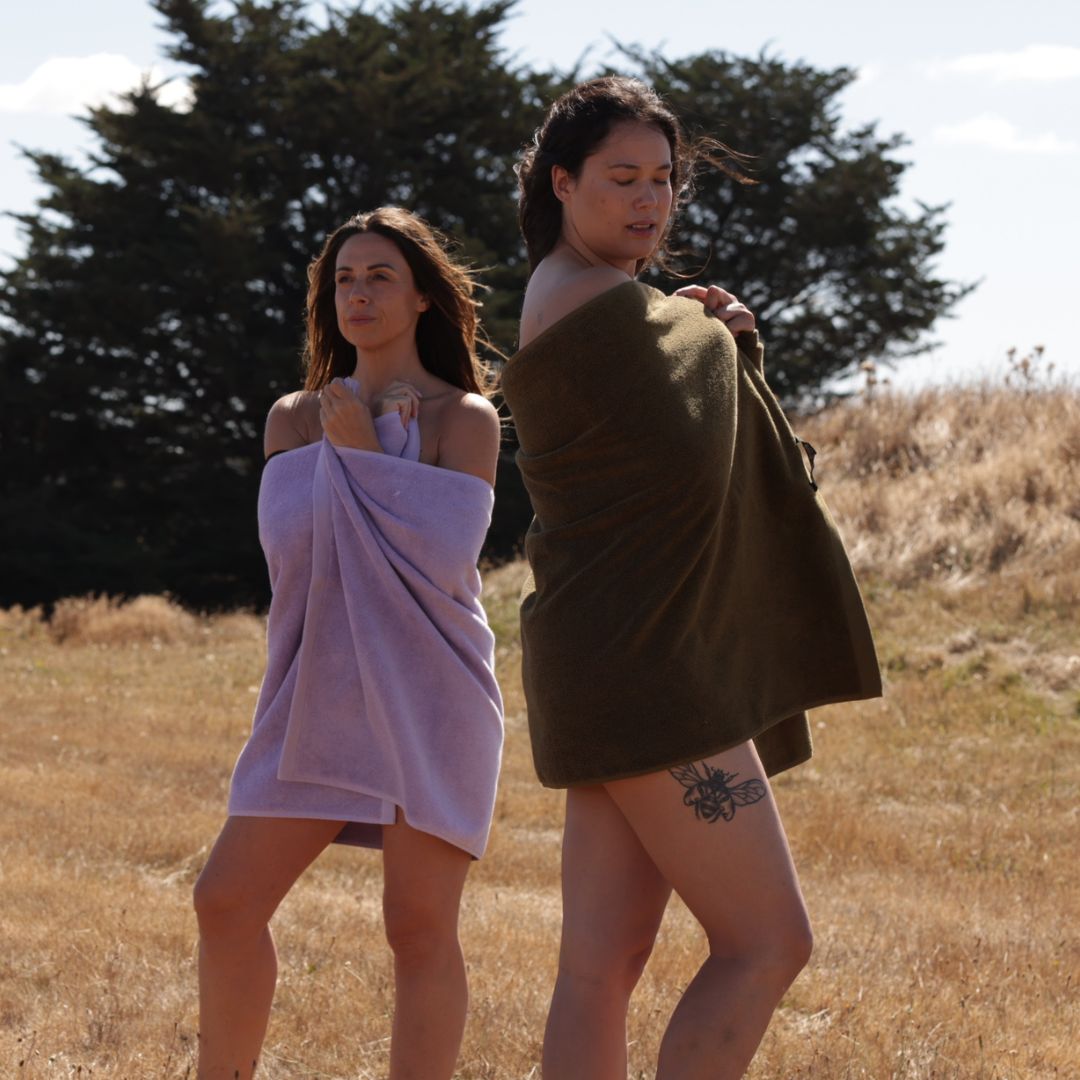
{"x":379,"y":690}
{"x":690,"y":589}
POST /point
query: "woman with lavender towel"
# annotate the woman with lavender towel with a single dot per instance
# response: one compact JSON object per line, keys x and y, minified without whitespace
{"x":379,"y":722}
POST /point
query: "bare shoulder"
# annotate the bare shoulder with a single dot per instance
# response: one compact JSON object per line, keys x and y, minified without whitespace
{"x":551,"y":297}
{"x":469,"y":436}
{"x":293,"y":421}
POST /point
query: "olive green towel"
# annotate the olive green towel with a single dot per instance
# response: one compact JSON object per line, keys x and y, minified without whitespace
{"x":691,"y":591}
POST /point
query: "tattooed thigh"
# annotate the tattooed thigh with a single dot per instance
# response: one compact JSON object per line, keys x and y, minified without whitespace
{"x":711,"y":793}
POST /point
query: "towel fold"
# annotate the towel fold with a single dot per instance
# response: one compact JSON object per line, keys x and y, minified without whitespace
{"x":690,"y":591}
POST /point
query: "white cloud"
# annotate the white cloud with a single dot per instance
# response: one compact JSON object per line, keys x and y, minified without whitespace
{"x":72,"y":84}
{"x":175,"y":94}
{"x":1034,"y":63}
{"x":868,"y":73}
{"x":997,"y":133}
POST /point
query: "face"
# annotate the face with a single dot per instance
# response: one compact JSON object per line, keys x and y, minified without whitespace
{"x":376,"y":299}
{"x":618,"y":205}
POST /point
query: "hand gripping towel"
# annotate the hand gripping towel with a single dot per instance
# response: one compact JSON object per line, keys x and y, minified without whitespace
{"x":689,"y":588}
{"x":380,"y":690}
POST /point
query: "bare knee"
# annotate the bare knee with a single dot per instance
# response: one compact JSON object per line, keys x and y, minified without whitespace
{"x":419,"y":933}
{"x":793,"y":945}
{"x":223,"y":908}
{"x":616,"y":970}
{"x":608,"y":959}
{"x":777,"y":951}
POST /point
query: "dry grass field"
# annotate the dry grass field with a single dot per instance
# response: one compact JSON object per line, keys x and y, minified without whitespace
{"x":936,"y":830}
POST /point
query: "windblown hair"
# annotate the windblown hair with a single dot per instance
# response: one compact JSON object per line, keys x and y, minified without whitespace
{"x":575,"y":126}
{"x":446,"y":333}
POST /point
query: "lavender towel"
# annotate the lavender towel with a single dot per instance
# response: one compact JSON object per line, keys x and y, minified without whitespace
{"x":379,"y":690}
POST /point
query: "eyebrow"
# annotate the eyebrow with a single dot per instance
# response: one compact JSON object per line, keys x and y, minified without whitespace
{"x":636,"y":165}
{"x":373,"y":266}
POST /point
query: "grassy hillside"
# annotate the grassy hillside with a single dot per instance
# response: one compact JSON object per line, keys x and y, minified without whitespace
{"x":935,"y":829}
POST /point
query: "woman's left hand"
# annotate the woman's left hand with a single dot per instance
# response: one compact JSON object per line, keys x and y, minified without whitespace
{"x":346,"y":420}
{"x":400,"y":397}
{"x":724,"y":305}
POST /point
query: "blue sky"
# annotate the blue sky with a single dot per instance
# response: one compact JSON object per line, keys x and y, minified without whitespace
{"x":987,"y":94}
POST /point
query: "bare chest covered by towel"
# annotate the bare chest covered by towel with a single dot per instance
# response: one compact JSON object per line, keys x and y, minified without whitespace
{"x":380,"y":687}
{"x":638,"y":503}
{"x":691,"y":591}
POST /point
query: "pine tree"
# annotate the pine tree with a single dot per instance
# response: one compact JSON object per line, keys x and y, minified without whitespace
{"x":157,"y":311}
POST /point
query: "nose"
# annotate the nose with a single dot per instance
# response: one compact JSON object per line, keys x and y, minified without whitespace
{"x":358,"y":293}
{"x":646,"y":195}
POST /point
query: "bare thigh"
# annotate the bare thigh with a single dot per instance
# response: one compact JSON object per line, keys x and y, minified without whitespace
{"x":255,"y":862}
{"x":714,"y":833}
{"x":423,"y":879}
{"x":613,"y":894}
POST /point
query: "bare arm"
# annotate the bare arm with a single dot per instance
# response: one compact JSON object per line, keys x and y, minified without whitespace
{"x":287,"y":424}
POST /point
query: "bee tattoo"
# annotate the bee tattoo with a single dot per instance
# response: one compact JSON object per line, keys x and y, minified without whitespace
{"x":711,"y":793}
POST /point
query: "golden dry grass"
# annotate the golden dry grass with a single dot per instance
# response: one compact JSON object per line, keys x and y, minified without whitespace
{"x":935,"y":830}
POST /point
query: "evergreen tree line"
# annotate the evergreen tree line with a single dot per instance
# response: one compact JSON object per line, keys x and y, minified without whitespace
{"x":157,"y":310}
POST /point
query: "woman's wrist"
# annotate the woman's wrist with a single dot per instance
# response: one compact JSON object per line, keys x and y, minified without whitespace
{"x":356,"y":436}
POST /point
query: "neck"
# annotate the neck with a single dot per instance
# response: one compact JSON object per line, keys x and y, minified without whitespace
{"x":376,"y":369}
{"x":571,"y":240}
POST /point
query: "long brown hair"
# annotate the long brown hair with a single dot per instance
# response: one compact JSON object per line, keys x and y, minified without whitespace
{"x":575,"y":125}
{"x":446,"y":333}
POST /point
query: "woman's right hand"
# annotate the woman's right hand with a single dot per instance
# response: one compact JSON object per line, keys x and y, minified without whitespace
{"x":400,"y":397}
{"x":346,"y":420}
{"x":727,"y":307}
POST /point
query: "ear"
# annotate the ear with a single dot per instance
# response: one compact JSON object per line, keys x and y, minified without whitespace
{"x":562,"y":183}
{"x":423,"y":303}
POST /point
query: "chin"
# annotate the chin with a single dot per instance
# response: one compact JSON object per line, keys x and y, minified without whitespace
{"x":634,"y":254}
{"x":639,"y":247}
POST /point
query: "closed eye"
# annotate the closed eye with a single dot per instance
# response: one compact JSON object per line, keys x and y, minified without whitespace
{"x":663,"y":181}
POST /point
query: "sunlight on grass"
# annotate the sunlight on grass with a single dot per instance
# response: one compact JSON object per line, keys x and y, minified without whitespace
{"x":935,"y":830}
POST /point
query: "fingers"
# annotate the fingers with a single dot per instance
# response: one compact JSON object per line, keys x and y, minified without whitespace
{"x":727,"y":307}
{"x":332,"y":395}
{"x":340,"y":413}
{"x":715,"y":300}
{"x":336,"y":388}
{"x":406,"y":405}
{"x":337,"y":400}
{"x":328,"y":414}
{"x":402,"y":398}
{"x":693,"y":292}
{"x":713,"y":297}
{"x":398,"y":387}
{"x":332,"y":398}
{"x":737,"y":317}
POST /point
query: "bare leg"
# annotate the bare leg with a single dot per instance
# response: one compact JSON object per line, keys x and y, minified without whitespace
{"x":423,"y":881}
{"x":253,"y":865}
{"x":728,"y":859}
{"x":613,"y":901}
